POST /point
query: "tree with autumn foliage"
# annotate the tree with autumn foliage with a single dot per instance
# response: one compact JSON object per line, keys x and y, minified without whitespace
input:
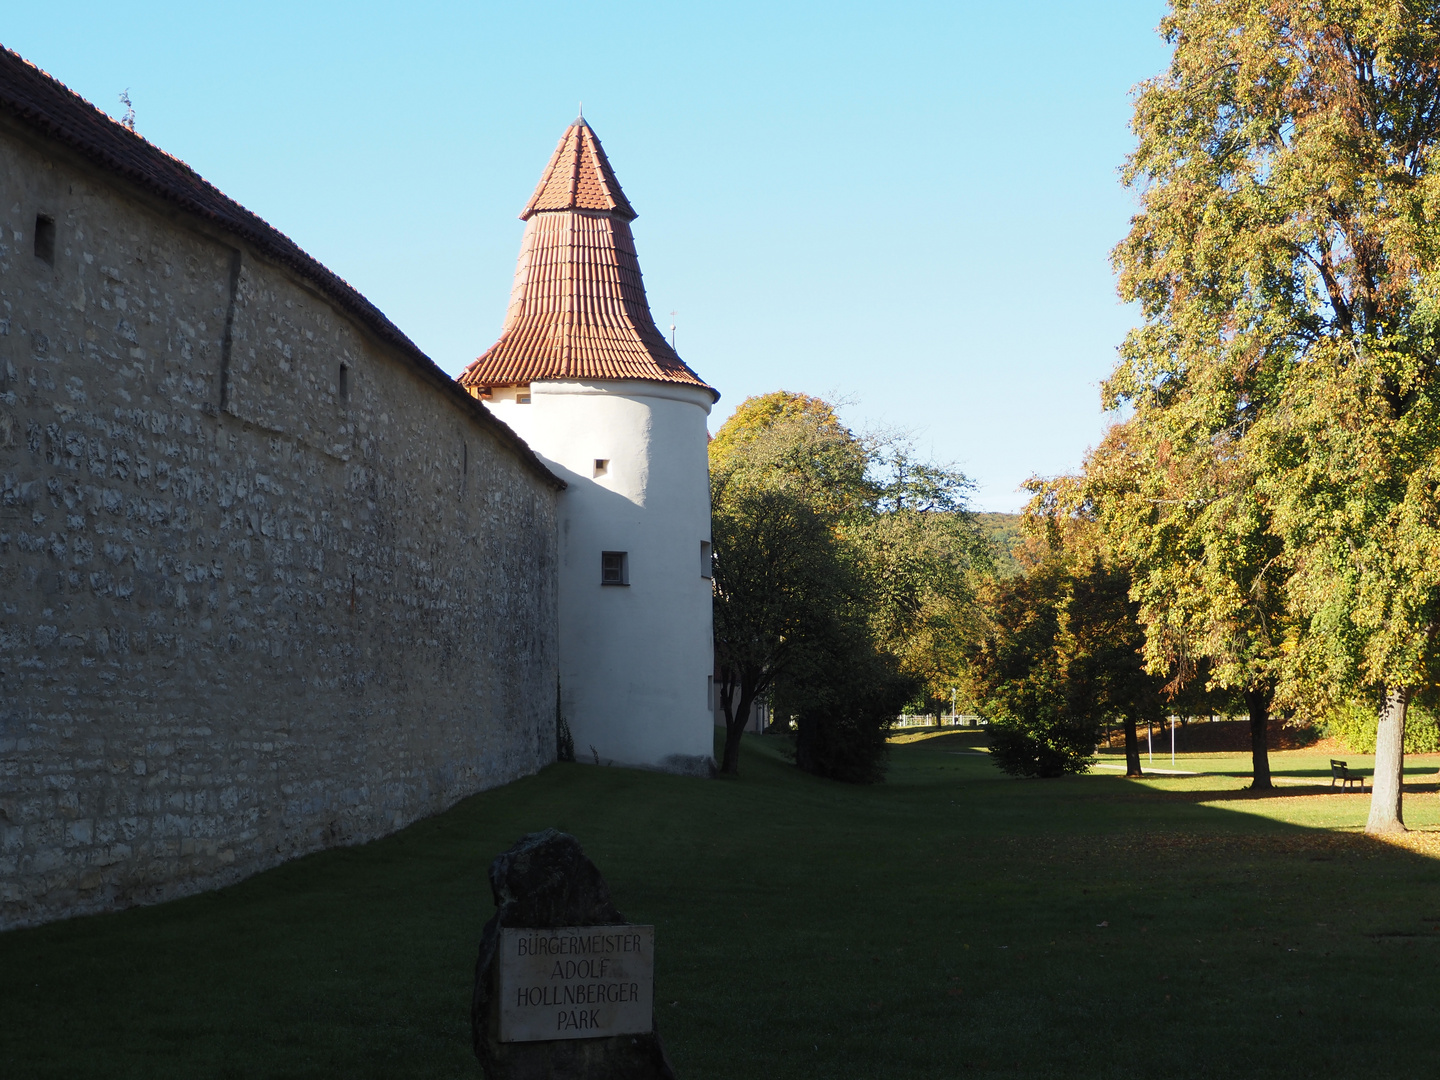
{"x":921,"y":555}
{"x":785,"y":477}
{"x":1060,"y":655}
{"x":843,"y":574}
{"x":1286,"y":258}
{"x":781,"y":587}
{"x":1174,"y":504}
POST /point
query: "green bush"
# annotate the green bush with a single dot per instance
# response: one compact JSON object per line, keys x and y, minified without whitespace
{"x":844,"y":714}
{"x":1042,"y":737}
{"x":1355,"y":723}
{"x":1059,"y":657}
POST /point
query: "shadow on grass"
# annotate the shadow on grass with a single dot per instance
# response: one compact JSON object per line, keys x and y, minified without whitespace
{"x":1283,"y":791}
{"x":949,"y":922}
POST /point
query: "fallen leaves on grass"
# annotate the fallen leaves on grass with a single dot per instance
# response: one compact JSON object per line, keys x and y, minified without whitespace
{"x":1159,"y":843}
{"x":1420,"y":841}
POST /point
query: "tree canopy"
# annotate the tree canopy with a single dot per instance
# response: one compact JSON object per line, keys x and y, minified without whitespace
{"x":843,"y":576}
{"x":1284,"y":378}
{"x":1060,"y":654}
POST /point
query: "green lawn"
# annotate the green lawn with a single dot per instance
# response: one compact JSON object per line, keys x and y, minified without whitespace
{"x":951,"y":922}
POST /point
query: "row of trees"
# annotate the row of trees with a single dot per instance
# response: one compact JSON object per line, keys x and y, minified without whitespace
{"x":843,"y":579}
{"x":1263,"y":525}
{"x":1273,"y":494}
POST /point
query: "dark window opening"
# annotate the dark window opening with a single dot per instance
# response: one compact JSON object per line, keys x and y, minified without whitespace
{"x":45,"y":238}
{"x":614,"y":568}
{"x":344,"y":382}
{"x":522,"y":397}
{"x":707,"y":564}
{"x":602,"y":466}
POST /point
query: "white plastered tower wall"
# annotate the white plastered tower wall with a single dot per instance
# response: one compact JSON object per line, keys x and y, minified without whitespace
{"x":635,"y":659}
{"x":584,"y":376}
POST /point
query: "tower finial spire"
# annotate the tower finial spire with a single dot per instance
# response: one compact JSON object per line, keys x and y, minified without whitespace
{"x":581,"y":118}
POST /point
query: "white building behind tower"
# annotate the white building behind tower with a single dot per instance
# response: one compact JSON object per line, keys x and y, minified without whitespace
{"x":582,"y":373}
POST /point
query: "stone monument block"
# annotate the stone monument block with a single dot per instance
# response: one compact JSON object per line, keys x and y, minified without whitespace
{"x":564,"y":986}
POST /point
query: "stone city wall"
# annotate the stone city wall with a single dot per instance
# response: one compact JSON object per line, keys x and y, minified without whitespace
{"x":251,"y":605}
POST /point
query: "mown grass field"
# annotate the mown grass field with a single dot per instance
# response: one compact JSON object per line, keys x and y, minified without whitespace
{"x":949,"y":923}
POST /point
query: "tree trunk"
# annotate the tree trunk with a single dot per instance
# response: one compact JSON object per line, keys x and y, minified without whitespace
{"x":1388,"y":784}
{"x":1258,"y":702}
{"x":726,"y":690}
{"x":1132,"y":748}
{"x":734,"y":727}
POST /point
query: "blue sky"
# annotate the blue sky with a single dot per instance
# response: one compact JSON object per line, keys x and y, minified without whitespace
{"x":907,"y":206}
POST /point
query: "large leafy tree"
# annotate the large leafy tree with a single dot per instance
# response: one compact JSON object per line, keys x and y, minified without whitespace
{"x":785,"y":473}
{"x":781,"y":586}
{"x":1018,"y":679}
{"x":1285,"y":261}
{"x":921,"y":553}
{"x":1180,"y":512}
{"x":841,"y":576}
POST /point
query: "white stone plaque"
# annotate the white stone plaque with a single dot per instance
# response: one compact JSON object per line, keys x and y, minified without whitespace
{"x":576,"y":982}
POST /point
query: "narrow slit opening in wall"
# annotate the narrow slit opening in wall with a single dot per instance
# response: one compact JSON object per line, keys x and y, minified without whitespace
{"x":344,"y":382}
{"x":602,"y":466}
{"x":45,"y":238}
{"x":707,"y":563}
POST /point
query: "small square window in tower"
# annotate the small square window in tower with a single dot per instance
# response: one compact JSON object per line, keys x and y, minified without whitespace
{"x":614,"y":568}
{"x":707,"y":563}
{"x":602,"y":466}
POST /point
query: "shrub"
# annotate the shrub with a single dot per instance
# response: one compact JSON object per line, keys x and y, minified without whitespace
{"x":1355,"y":723}
{"x":843,"y":719}
{"x":1038,"y":735}
{"x":1059,"y":656}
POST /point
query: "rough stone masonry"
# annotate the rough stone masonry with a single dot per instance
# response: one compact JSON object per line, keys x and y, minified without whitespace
{"x":268,"y":583}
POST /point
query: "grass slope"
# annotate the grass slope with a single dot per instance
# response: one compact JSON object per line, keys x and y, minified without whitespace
{"x":950,"y":922}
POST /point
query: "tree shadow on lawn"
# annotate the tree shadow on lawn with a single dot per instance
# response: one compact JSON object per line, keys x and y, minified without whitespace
{"x":1287,"y":791}
{"x":953,"y":923}
{"x":1203,"y":802}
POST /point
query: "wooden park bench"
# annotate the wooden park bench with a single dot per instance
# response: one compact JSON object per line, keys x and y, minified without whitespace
{"x":1339,"y":771}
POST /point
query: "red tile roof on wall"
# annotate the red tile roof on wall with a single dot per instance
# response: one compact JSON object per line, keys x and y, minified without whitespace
{"x":578,"y":309}
{"x":51,"y":110}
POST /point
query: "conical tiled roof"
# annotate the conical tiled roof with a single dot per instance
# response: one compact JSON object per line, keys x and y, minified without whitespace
{"x":579,"y":177}
{"x":578,"y":309}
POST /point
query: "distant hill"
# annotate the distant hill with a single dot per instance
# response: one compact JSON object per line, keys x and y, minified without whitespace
{"x":1003,"y":531}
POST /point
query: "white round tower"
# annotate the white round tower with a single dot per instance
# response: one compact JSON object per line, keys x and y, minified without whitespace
{"x":582,"y":373}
